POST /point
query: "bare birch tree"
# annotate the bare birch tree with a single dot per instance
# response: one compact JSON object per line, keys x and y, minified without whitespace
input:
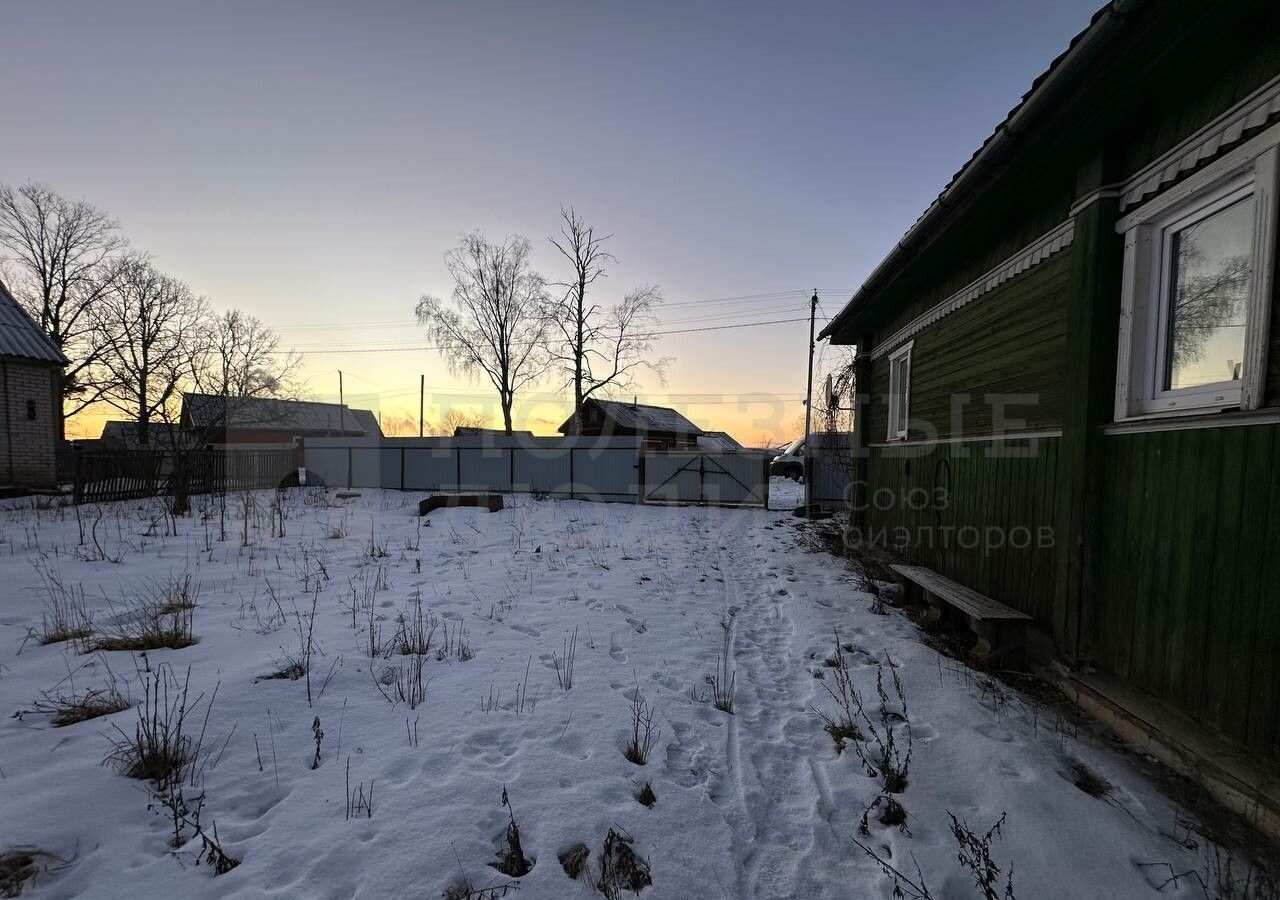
{"x":597,"y":349}
{"x":491,"y":327}
{"x":63,"y":257}
{"x":242,"y":358}
{"x":154,"y":328}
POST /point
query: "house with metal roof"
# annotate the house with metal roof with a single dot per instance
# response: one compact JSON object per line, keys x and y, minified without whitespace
{"x":30,"y":398}
{"x":1069,"y":377}
{"x":218,"y":419}
{"x":658,"y":427}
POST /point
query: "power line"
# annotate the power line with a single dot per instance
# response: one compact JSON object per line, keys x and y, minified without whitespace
{"x":704,"y":328}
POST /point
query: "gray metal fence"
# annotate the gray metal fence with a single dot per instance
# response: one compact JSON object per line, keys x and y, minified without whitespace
{"x":588,"y":468}
{"x":829,"y":467}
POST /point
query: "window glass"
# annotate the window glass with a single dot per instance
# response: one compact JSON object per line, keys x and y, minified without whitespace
{"x":1209,"y":266}
{"x":898,"y":394}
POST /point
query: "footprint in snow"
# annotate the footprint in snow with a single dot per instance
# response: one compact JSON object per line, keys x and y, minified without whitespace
{"x":638,"y":624}
{"x":615,"y":648}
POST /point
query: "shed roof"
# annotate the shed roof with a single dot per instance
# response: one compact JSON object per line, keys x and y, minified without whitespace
{"x":717,"y":440}
{"x":639,"y":417}
{"x":272,"y":414}
{"x":23,"y":338}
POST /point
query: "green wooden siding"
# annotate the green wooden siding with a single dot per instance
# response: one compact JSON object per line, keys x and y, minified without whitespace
{"x":1186,"y":599}
{"x":1011,"y":341}
{"x":999,"y":494}
{"x":1166,"y":570}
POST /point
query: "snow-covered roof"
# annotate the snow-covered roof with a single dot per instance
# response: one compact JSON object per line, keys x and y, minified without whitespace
{"x":271,"y":414}
{"x":637,"y":417}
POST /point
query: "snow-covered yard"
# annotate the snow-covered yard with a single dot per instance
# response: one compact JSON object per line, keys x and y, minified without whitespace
{"x":756,"y":803}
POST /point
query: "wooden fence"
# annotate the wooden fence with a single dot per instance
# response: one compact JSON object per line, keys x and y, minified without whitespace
{"x":102,"y":476}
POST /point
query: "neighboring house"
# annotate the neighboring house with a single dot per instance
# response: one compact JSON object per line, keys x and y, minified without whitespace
{"x":216,"y":419}
{"x":30,"y":391}
{"x":658,"y":427}
{"x":122,"y":435}
{"x":717,"y":441}
{"x":1070,"y":368}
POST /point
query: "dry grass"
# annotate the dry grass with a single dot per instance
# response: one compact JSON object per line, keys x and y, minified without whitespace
{"x":70,"y":708}
{"x":66,"y":617}
{"x":159,"y":616}
{"x":159,"y":749}
{"x":575,"y":860}
{"x":511,"y":860}
{"x":19,"y":867}
{"x":621,"y":869}
{"x":642,"y":737}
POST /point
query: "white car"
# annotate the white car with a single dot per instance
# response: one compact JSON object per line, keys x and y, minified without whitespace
{"x":790,"y":462}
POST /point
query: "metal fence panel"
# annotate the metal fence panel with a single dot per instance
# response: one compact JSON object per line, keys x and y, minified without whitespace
{"x":830,"y":467}
{"x":329,"y":463}
{"x":606,"y":474}
{"x":727,"y":477}
{"x":486,"y":469}
{"x":672,"y":477}
{"x":539,"y":471}
{"x":430,"y":468}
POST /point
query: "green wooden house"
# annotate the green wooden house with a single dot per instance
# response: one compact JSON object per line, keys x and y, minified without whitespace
{"x":1068,"y":369}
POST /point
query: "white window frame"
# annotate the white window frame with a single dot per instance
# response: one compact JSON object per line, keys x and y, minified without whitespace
{"x":898,"y":430}
{"x":1249,"y":170}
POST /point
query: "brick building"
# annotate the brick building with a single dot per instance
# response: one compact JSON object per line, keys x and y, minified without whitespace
{"x":30,"y":372}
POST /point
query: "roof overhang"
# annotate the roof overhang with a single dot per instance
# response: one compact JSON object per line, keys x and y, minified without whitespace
{"x":991,"y":158}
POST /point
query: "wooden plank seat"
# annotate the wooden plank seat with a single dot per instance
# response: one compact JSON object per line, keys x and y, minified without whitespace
{"x":998,"y":627}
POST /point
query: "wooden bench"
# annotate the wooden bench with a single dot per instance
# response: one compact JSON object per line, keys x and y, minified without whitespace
{"x":998,"y":627}
{"x":491,"y":502}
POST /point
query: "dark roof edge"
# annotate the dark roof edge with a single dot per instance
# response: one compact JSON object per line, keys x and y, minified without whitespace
{"x":61,"y":359}
{"x":1060,"y":75}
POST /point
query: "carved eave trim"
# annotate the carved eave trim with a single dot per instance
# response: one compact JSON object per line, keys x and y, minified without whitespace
{"x":1033,"y":254}
{"x":1256,"y":110}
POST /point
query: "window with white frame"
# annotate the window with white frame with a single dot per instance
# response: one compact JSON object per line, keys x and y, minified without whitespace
{"x":899,"y":391}
{"x":1197,"y":289}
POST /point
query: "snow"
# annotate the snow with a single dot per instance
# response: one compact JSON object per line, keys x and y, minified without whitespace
{"x":753,"y":804}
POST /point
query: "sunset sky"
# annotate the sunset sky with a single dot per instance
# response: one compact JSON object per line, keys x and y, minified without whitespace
{"x":311,"y":162}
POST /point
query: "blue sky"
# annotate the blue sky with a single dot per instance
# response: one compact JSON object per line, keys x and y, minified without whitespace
{"x":311,"y":162}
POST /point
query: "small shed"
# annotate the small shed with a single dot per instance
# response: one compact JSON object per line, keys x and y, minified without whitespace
{"x":30,"y":398}
{"x":216,"y":419}
{"x":658,"y":427}
{"x":717,"y":441}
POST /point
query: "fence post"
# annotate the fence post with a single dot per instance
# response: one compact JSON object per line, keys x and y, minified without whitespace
{"x":571,"y":476}
{"x":77,"y":487}
{"x":640,"y":467}
{"x":402,"y":467}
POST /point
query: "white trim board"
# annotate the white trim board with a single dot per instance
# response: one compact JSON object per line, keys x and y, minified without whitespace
{"x":1193,"y":423}
{"x":1034,"y":253}
{"x":974,"y":438}
{"x":1255,"y":110}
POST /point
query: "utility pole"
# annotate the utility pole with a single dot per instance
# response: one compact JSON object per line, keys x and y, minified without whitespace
{"x":422,"y":391}
{"x":808,"y":404}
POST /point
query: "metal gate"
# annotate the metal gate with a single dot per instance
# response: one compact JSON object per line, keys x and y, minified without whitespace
{"x":693,"y":476}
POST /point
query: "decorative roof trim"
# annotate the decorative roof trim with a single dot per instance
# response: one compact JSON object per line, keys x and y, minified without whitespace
{"x":1033,"y":254}
{"x":1254,"y":111}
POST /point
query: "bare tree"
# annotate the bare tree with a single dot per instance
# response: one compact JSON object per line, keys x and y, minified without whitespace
{"x":492,"y":326}
{"x":402,"y":425}
{"x":154,"y":328}
{"x":455,"y":417}
{"x":242,"y":358}
{"x":597,"y":349}
{"x":64,"y":258}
